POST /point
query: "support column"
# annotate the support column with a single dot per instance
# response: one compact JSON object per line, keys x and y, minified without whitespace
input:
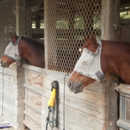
{"x":111,"y":114}
{"x":20,"y":17}
{"x":20,"y":31}
{"x":50,"y":41}
{"x":110,"y":20}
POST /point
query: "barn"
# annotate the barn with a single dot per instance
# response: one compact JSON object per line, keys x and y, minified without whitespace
{"x":61,"y":26}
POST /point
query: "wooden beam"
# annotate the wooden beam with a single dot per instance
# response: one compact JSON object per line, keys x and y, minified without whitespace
{"x":33,"y":117}
{"x":20,"y":17}
{"x":110,"y":20}
{"x":33,"y":106}
{"x":29,"y":125}
{"x":33,"y":89}
{"x":125,"y":2}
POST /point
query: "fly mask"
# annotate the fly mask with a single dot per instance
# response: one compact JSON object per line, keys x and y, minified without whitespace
{"x":11,"y":50}
{"x":89,"y":64}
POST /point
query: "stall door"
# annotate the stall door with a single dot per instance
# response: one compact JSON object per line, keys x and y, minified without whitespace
{"x":33,"y":97}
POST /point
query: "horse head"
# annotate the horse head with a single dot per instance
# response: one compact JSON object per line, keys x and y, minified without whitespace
{"x":84,"y":72}
{"x":11,"y":54}
{"x":22,"y":47}
{"x":6,"y":61}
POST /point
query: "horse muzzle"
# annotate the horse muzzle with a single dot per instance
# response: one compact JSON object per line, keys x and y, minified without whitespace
{"x":4,"y":64}
{"x":75,"y":87}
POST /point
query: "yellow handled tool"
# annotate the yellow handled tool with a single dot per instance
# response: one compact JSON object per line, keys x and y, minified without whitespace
{"x":52,"y":98}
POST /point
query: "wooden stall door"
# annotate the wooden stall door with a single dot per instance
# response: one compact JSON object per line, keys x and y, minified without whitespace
{"x":33,"y":97}
{"x":12,"y":95}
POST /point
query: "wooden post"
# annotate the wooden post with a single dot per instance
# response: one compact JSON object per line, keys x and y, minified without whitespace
{"x":50,"y":31}
{"x":20,"y":17}
{"x":110,"y":82}
{"x":110,"y":31}
{"x":20,"y":31}
{"x":110,"y":19}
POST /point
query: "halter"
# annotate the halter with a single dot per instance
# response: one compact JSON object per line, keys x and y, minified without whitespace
{"x":11,"y":50}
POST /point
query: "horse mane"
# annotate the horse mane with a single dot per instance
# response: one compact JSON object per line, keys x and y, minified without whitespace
{"x":32,"y":41}
{"x":115,"y":42}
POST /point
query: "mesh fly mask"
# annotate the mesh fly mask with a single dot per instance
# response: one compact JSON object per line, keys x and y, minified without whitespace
{"x":89,"y":64}
{"x":11,"y":50}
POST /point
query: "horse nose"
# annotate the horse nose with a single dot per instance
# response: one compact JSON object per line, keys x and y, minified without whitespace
{"x":3,"y":64}
{"x":69,"y":84}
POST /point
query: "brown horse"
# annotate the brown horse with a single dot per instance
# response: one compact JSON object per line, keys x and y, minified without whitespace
{"x":114,"y":57}
{"x":25,"y":48}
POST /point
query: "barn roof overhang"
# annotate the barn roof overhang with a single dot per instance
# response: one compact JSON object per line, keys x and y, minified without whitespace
{"x":125,"y":2}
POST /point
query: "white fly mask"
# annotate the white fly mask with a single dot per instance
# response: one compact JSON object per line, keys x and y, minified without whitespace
{"x":89,"y":64}
{"x":11,"y":50}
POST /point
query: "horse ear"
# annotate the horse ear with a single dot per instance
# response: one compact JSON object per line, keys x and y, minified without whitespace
{"x":13,"y":34}
{"x":85,"y":38}
{"x":94,"y":41}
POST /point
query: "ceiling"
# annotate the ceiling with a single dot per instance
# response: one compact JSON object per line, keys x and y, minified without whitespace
{"x":124,"y":2}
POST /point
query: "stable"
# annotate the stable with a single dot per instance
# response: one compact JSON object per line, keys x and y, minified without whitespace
{"x":61,"y":26}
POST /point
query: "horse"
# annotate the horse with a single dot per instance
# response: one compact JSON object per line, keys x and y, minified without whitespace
{"x":98,"y":58}
{"x":21,"y":47}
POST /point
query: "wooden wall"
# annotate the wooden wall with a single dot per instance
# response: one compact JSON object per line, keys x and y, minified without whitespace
{"x":110,"y":20}
{"x":124,"y":119}
{"x":90,"y":110}
{"x":33,"y":97}
{"x":12,"y":95}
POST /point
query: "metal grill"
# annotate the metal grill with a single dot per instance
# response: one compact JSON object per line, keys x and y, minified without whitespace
{"x":67,"y":22}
